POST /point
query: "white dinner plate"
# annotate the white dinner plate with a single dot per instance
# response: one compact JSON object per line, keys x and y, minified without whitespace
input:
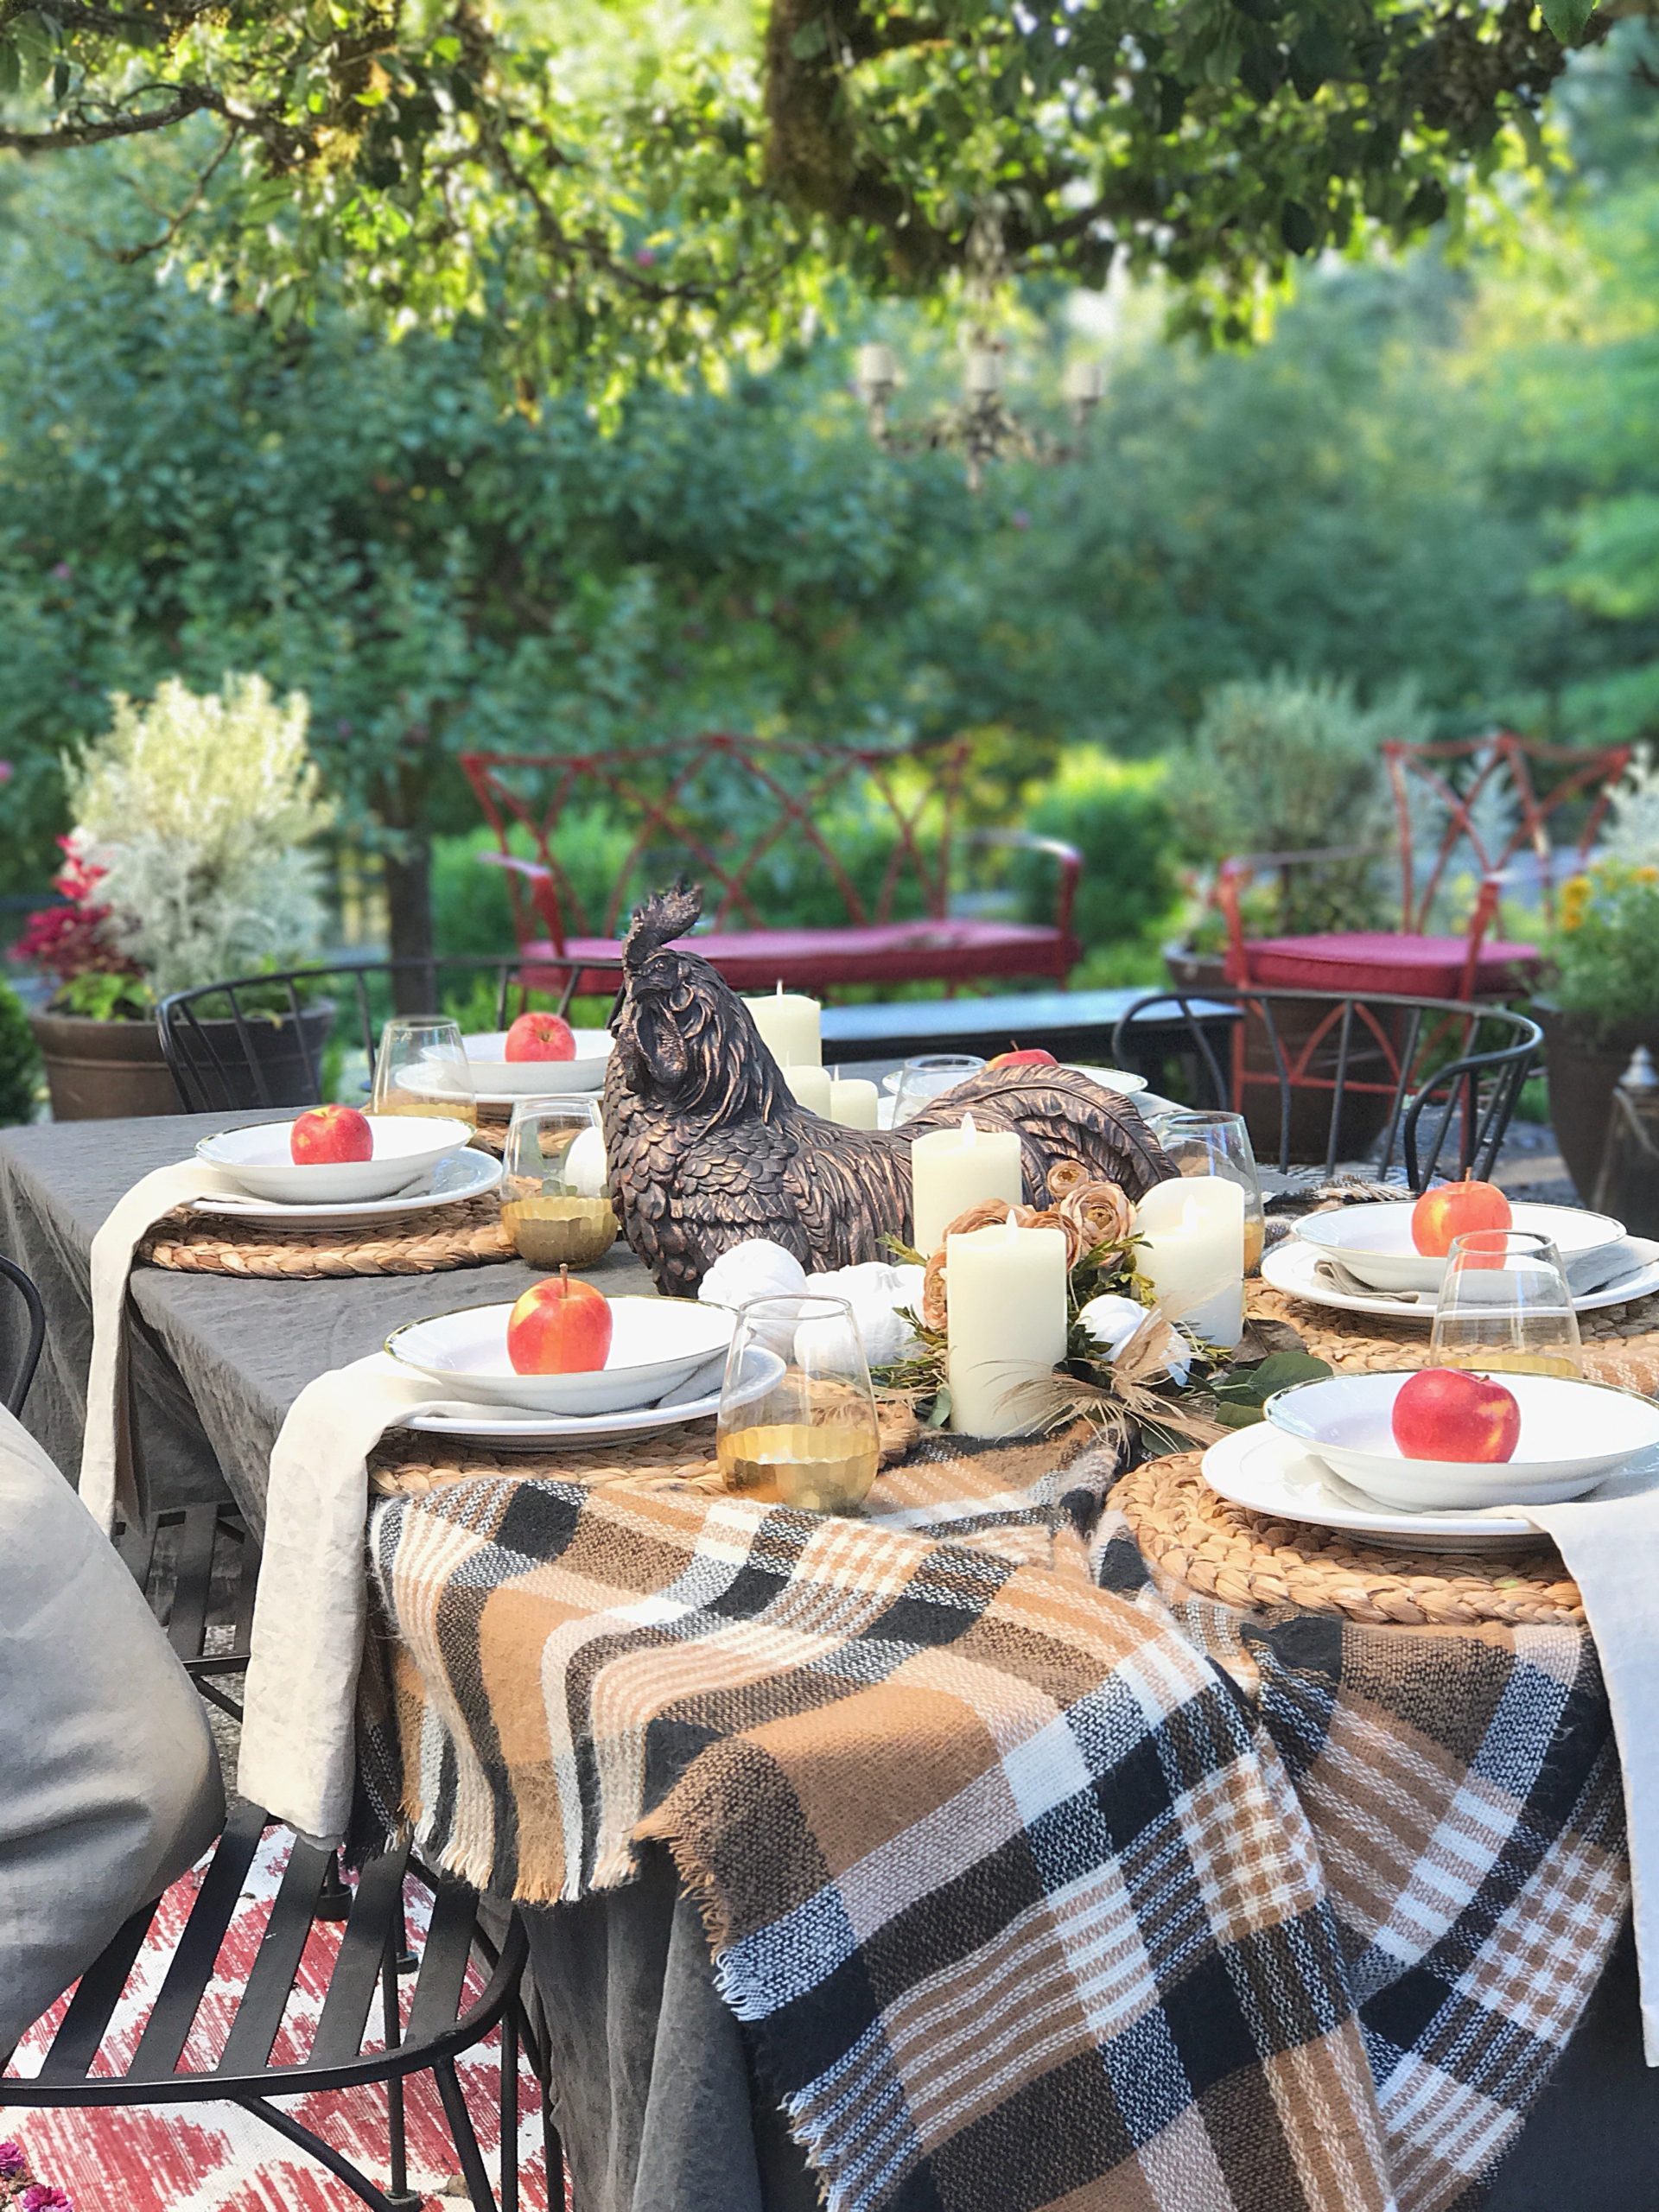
{"x":1292,"y":1267}
{"x":407,"y":1147}
{"x":458,"y":1177}
{"x":528,"y":1432}
{"x":656,"y":1343}
{"x":1269,"y":1473}
{"x":502,"y":1082}
{"x":1374,"y":1240}
{"x":1574,"y":1434}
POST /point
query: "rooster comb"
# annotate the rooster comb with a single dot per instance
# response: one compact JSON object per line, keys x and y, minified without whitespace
{"x":664,"y":916}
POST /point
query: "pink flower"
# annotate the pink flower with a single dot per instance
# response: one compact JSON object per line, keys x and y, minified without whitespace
{"x":644,"y":257}
{"x":13,"y":2163}
{"x":43,"y":2197}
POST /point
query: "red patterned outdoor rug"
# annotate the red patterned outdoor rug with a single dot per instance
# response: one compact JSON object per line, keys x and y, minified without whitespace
{"x":214,"y":2158}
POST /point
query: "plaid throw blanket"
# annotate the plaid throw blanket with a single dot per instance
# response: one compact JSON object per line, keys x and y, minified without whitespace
{"x":1033,"y":1894}
{"x":1464,"y":1791}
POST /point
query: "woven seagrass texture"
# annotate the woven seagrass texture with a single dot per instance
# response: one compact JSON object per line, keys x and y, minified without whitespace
{"x":1198,"y":1543}
{"x":469,"y":1236}
{"x":1621,"y":1345}
{"x":683,"y":1455}
{"x":489,"y":1135}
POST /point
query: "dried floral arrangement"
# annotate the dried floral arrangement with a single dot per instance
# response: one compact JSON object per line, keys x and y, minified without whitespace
{"x":1127,"y":1367}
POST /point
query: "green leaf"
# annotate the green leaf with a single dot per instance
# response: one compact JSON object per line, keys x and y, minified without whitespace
{"x":1255,"y":1385}
{"x":811,"y":39}
{"x":1567,"y":18}
{"x":1297,"y":228}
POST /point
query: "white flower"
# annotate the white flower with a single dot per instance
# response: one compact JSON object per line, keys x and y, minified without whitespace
{"x":1113,"y":1322}
{"x":198,"y":809}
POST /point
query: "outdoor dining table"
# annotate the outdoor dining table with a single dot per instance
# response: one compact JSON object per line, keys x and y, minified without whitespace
{"x":658,"y":2098}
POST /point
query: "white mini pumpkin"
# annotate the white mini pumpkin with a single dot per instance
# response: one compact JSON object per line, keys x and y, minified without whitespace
{"x":1112,"y":1320}
{"x":875,"y":1291}
{"x":758,"y":1269}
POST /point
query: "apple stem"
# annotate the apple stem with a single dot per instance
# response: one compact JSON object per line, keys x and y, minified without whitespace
{"x":564,"y":1279}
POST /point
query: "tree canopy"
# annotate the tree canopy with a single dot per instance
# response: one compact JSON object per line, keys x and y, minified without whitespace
{"x":606,"y":183}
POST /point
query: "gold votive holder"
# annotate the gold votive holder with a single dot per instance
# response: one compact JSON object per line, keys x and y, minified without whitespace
{"x":556,"y":1231}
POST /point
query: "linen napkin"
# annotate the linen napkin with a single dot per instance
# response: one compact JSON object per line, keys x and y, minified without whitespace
{"x":106,"y":1467}
{"x":297,"y":1758}
{"x":1611,"y":1542}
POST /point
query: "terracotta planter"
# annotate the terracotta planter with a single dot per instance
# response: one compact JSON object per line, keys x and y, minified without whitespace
{"x":102,"y":1071}
{"x":1365,"y":1113}
{"x":1582,"y":1067}
{"x":99,"y":1070}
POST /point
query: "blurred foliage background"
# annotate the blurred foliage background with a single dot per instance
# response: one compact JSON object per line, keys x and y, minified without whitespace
{"x":1437,"y":483}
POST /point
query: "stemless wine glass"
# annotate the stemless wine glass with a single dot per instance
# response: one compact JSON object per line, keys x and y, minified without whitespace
{"x":1506,"y":1304}
{"x":555,"y":1191}
{"x":922,"y":1080}
{"x":1202,"y":1142}
{"x":796,"y":1423}
{"x":422,"y":1068}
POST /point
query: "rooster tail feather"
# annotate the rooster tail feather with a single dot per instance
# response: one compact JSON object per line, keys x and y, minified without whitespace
{"x":663,"y":917}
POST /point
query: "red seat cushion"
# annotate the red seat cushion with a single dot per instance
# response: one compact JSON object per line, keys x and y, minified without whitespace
{"x":951,"y":951}
{"x":1407,"y":967}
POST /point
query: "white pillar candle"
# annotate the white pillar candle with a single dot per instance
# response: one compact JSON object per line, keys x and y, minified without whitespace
{"x":788,"y":1022}
{"x":953,"y":1169}
{"x":811,"y":1088}
{"x":1005,"y":1312}
{"x":1193,"y":1253}
{"x":853,"y":1102}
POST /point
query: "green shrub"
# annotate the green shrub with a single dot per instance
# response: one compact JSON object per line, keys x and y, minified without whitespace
{"x":20,"y":1062}
{"x":1605,"y":953}
{"x":1117,"y":814}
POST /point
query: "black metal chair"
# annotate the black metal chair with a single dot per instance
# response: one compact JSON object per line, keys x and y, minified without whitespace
{"x":265,"y":1040}
{"x":23,"y":1375}
{"x":345,"y":2051}
{"x":1353,"y":1077}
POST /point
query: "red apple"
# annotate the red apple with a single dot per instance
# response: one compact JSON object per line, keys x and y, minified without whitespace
{"x":1456,"y":1209}
{"x":1443,"y":1413}
{"x":330,"y":1134}
{"x":1033,"y":1056}
{"x":561,"y":1326}
{"x":540,"y":1036}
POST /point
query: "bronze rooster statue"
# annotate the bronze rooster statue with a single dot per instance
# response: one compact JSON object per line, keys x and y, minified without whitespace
{"x":708,"y":1145}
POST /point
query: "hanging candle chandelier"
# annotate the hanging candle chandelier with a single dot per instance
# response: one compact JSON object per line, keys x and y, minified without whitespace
{"x":982,"y":426}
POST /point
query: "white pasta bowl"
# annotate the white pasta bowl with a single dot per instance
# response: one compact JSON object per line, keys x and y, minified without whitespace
{"x":1572,"y":1436}
{"x":494,"y":1075}
{"x":656,"y":1344}
{"x":406,"y":1146}
{"x":1374,"y":1242}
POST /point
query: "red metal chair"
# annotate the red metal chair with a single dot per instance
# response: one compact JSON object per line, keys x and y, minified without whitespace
{"x":736,"y":810}
{"x":1464,"y":784}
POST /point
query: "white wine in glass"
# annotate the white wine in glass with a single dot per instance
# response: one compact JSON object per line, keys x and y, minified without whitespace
{"x":806,"y":1436}
{"x":422,"y":1067}
{"x":1505,"y":1305}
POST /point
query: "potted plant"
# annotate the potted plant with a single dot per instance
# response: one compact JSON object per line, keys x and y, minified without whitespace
{"x":189,"y":862}
{"x":1289,"y":765}
{"x":1602,"y":1001}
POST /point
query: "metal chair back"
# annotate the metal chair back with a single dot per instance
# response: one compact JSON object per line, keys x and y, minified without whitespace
{"x":34,"y":1336}
{"x":265,"y":1040}
{"x":1392,"y":1079}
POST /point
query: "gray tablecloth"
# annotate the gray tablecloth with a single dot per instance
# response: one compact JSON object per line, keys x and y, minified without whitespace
{"x":655,"y":2098}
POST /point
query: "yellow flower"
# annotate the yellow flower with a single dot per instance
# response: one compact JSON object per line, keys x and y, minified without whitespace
{"x":1575,"y":898}
{"x":1647,"y":875}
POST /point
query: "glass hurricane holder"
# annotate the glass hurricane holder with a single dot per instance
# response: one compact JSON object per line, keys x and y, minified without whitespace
{"x":1506,"y":1305}
{"x":556,"y":1192}
{"x":808,"y":1437}
{"x":923,"y":1079}
{"x":422,"y":1067}
{"x":1202,"y":1142}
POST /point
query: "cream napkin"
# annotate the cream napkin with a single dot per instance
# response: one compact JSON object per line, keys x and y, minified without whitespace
{"x":106,"y":1469}
{"x":297,"y":1758}
{"x":1610,"y":1543}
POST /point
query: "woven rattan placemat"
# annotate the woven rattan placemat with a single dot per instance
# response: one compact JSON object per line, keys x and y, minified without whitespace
{"x":1621,"y":1344}
{"x":678,"y":1455}
{"x":469,"y":1236}
{"x":1200,"y":1543}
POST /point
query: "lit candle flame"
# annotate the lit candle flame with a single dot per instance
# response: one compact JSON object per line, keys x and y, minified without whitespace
{"x":969,"y":1132}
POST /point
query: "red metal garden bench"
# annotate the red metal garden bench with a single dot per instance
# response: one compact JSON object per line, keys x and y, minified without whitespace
{"x":1473,"y":815}
{"x":757,"y":820}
